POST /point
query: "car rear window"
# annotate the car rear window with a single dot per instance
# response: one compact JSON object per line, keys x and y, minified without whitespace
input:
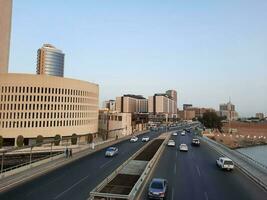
{"x":157,"y":185}
{"x":227,"y":162}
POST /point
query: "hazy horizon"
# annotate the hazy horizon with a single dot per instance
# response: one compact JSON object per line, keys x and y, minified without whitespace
{"x":208,"y":51}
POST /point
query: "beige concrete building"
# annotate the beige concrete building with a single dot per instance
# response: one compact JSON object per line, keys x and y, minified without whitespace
{"x":228,"y":110}
{"x":172,"y":94}
{"x":187,"y":114}
{"x":131,"y":104}
{"x":161,"y":104}
{"x":50,"y":61}
{"x":259,"y":115}
{"x":110,"y":105}
{"x":112,"y":124}
{"x":34,"y":105}
{"x":5,"y":30}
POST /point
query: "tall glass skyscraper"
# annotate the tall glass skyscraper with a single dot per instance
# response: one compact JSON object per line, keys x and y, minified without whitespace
{"x":50,"y":61}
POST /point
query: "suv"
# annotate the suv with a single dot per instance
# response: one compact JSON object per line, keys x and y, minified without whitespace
{"x":158,"y":189}
{"x":225,"y":163}
{"x":195,"y":142}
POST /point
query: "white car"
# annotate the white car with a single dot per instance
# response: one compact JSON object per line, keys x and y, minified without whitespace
{"x":134,"y":139}
{"x":225,"y":163}
{"x":145,"y":139}
{"x":171,"y":143}
{"x":183,"y":133}
{"x":183,"y":147}
{"x":174,"y":134}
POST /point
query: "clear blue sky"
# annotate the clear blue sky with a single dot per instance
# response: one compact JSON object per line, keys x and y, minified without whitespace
{"x":206,"y":50}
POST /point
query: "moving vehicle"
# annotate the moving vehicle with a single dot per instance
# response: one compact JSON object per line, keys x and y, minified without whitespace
{"x":174,"y":134}
{"x":195,"y":142}
{"x":183,"y":147}
{"x":225,"y":163}
{"x":134,"y":139}
{"x":111,"y":151}
{"x":183,"y":133}
{"x":158,"y":188}
{"x":145,"y":139}
{"x":171,"y":143}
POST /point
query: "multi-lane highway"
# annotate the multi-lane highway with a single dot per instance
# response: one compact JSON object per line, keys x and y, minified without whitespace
{"x":77,"y":179}
{"x":194,"y":175}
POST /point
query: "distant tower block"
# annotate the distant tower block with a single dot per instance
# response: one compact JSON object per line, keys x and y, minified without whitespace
{"x":5,"y":29}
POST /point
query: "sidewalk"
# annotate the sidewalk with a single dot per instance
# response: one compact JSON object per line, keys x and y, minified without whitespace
{"x":254,"y":170}
{"x":47,"y":165}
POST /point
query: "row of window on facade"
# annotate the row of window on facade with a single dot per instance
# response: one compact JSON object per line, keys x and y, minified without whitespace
{"x":110,"y":117}
{"x":46,"y":107}
{"x":45,"y":90}
{"x":44,"y":124}
{"x":45,"y":115}
{"x":40,"y":98}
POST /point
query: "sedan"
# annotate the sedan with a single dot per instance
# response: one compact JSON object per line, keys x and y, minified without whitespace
{"x":183,"y":147}
{"x":145,"y":139}
{"x":111,"y":151}
{"x":171,"y":143}
{"x":174,"y":134}
{"x":158,"y":188}
{"x":134,"y":139}
{"x":183,"y":133}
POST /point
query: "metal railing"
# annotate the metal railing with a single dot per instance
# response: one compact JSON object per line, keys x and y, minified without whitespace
{"x":262,"y":170}
{"x":247,"y":158}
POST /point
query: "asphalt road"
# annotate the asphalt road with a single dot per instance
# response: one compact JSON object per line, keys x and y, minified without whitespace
{"x":194,"y":175}
{"x":77,"y":179}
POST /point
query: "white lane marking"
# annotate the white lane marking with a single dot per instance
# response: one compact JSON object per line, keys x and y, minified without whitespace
{"x":198,"y":171}
{"x":75,"y":184}
{"x":206,"y":195}
{"x":172,"y":193}
{"x":174,"y":168}
{"x":106,"y":163}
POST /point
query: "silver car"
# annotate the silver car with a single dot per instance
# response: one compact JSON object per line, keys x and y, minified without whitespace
{"x":158,"y":189}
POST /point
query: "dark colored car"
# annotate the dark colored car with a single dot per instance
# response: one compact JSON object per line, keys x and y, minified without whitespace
{"x":195,"y":142}
{"x":158,"y":189}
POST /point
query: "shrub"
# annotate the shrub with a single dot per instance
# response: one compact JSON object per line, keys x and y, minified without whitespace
{"x":20,"y":141}
{"x":57,"y":139}
{"x":39,"y":140}
{"x":1,"y":141}
{"x":74,"y":139}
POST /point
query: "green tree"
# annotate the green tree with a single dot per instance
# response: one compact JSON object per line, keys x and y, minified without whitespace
{"x":1,"y":141}
{"x":74,"y":139}
{"x":39,"y":140}
{"x":57,"y":139}
{"x":20,"y":141}
{"x":211,"y":120}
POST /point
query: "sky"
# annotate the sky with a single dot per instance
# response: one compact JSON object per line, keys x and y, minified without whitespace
{"x":208,"y":50}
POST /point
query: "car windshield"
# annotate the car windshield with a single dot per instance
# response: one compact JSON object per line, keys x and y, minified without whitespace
{"x":157,"y":185}
{"x":111,"y":149}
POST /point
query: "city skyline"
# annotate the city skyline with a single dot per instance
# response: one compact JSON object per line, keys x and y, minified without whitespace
{"x":200,"y":51}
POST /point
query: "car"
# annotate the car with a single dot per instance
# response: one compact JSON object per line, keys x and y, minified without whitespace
{"x":171,"y":143}
{"x":183,"y":133}
{"x":183,"y":147}
{"x":174,"y":134}
{"x":111,"y":151}
{"x":145,"y":139}
{"x":195,"y":142}
{"x":158,"y":188}
{"x":134,"y":139}
{"x":225,"y":163}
